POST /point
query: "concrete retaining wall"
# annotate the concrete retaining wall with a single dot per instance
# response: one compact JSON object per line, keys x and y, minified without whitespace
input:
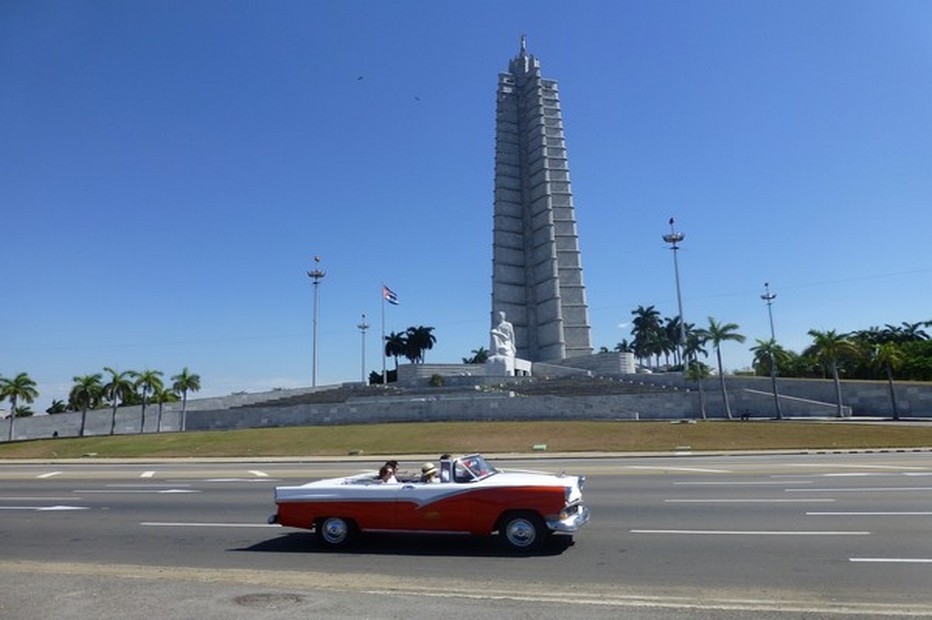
{"x":441,"y":405}
{"x":863,"y":397}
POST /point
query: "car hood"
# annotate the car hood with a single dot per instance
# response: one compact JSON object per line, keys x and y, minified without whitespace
{"x":532,"y":478}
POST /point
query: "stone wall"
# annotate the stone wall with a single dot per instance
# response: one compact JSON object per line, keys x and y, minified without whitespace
{"x":863,"y":397}
{"x":441,"y":404}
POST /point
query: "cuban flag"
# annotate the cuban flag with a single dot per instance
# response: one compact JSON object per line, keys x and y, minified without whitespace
{"x":389,"y":295}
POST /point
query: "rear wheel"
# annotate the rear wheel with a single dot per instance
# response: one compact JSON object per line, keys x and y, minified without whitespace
{"x":522,"y":531}
{"x":334,"y":531}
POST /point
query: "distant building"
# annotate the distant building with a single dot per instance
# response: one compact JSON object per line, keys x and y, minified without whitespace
{"x":537,"y":276}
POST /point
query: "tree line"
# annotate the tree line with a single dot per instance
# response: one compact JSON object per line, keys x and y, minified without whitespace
{"x":94,"y":391}
{"x":901,"y":351}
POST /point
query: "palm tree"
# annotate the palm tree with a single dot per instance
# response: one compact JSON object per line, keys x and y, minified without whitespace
{"x":768,"y":356}
{"x":19,"y":387}
{"x":86,"y":394}
{"x":671,"y":333}
{"x":695,"y":341}
{"x":57,"y":406}
{"x":162,"y":396}
{"x":889,"y":356}
{"x":395,"y":345}
{"x":117,"y":390}
{"x":148,"y":381}
{"x":420,"y":339}
{"x":909,"y":332}
{"x":646,"y":325}
{"x":717,"y":333}
{"x":185,"y":382}
{"x":479,"y":356}
{"x":765,"y":352}
{"x":828,"y":347}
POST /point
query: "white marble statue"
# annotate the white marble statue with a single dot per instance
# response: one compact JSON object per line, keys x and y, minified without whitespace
{"x":503,"y":337}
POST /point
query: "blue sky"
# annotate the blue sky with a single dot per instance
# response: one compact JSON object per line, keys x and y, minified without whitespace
{"x":170,"y":169}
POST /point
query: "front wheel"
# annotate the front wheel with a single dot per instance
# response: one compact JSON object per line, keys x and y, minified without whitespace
{"x":334,"y":531}
{"x":522,"y":531}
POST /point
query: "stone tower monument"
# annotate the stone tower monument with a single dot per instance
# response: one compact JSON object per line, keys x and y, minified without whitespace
{"x":537,"y":278}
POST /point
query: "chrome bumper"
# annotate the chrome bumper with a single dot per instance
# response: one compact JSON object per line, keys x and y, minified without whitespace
{"x":571,"y":523}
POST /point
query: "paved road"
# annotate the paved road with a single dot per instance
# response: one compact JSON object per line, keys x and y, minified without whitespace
{"x":768,"y":536}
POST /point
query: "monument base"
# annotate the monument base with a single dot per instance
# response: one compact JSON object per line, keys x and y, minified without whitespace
{"x":505,"y":366}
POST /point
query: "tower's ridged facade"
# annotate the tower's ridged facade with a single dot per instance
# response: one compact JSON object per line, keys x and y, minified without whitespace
{"x":537,"y":277}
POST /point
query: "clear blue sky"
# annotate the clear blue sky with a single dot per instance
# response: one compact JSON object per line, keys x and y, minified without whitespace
{"x":169,"y":169}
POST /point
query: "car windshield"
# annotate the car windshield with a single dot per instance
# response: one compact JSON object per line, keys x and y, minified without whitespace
{"x":472,"y":467}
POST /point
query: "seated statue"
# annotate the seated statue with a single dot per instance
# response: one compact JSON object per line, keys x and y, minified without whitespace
{"x":503,"y":337}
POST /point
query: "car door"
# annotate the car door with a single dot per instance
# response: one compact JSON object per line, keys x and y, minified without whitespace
{"x":434,"y":507}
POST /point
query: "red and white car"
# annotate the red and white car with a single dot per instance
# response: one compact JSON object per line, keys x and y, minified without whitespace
{"x":472,"y":497}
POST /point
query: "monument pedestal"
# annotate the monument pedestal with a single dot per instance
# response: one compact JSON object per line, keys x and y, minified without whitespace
{"x":506,"y":366}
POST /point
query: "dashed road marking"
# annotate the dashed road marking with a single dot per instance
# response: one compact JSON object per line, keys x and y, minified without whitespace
{"x":753,"y":532}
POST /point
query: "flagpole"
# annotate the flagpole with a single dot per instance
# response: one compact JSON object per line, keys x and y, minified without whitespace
{"x":382,"y":345}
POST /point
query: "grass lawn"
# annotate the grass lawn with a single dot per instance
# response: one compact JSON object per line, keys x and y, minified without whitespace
{"x":488,"y":437}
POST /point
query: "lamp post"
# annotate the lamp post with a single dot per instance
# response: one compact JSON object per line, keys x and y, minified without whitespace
{"x":363,"y":326}
{"x":315,"y":275}
{"x":768,"y":298}
{"x":674,"y":238}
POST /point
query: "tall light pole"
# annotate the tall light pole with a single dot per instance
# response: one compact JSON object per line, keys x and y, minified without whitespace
{"x":674,"y":238}
{"x":768,"y":298}
{"x":316,"y":275}
{"x":363,"y":326}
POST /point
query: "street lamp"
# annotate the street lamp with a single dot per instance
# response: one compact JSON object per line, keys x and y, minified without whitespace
{"x":315,"y":275}
{"x":363,"y":326}
{"x":674,"y":238}
{"x":768,"y":298}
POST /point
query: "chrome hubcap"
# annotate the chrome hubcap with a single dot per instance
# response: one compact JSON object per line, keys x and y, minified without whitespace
{"x":334,"y":530}
{"x":520,"y":533}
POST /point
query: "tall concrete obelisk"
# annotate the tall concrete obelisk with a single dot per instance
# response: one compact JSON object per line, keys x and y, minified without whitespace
{"x":537,"y":277}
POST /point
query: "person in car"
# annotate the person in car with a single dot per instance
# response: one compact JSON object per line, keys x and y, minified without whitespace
{"x":387,"y":473}
{"x":429,"y":473}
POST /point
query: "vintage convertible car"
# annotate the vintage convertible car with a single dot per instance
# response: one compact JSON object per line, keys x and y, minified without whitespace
{"x":472,"y":497}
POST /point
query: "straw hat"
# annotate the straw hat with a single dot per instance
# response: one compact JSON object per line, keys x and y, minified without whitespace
{"x":428,"y":469}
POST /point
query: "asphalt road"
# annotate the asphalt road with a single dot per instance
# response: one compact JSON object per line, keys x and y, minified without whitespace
{"x":769,"y":536}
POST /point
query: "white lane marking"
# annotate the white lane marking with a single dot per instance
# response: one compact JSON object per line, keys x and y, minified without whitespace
{"x":147,"y":474}
{"x":893,"y":560}
{"x":37,"y":498}
{"x":869,"y":514}
{"x":258,"y":474}
{"x":182,"y":524}
{"x":859,"y":490}
{"x":813,"y":500}
{"x":857,"y":474}
{"x":737,"y":483}
{"x":115,"y":491}
{"x":692,"y":469}
{"x":50,"y":474}
{"x":853,"y":466}
{"x":753,"y":532}
{"x":44,"y":508}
